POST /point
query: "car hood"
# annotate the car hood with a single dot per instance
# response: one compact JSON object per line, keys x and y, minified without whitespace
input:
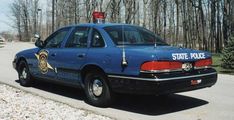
{"x":27,"y":51}
{"x":168,"y":53}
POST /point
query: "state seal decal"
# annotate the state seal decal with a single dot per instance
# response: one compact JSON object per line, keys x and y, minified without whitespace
{"x":43,"y":64}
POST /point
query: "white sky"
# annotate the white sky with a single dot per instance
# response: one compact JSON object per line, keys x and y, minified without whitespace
{"x":5,"y":21}
{"x":5,"y":14}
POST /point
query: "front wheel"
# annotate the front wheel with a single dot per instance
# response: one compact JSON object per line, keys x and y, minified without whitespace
{"x":97,"y":90}
{"x":25,"y":78}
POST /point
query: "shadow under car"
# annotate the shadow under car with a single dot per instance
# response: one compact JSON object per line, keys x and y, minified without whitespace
{"x":142,"y":104}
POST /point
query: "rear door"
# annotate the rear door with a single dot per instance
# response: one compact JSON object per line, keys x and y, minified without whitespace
{"x":73,"y":55}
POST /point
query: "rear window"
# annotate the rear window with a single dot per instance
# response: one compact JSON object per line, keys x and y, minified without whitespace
{"x":133,"y":35}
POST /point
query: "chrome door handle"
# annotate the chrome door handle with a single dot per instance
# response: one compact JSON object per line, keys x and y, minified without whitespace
{"x":81,"y":55}
{"x":53,"y":54}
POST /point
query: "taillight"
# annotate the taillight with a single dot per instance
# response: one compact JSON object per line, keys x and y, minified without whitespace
{"x":161,"y":65}
{"x":203,"y":63}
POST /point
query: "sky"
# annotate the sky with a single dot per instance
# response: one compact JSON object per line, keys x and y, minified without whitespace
{"x":5,"y":14}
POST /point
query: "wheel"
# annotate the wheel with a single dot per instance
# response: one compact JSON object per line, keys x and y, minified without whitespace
{"x":97,"y":90}
{"x":25,"y":77}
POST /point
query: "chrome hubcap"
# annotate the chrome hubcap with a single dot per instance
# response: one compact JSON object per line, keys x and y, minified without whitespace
{"x":24,"y":74}
{"x":97,"y":87}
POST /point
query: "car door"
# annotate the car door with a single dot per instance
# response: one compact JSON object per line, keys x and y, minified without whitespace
{"x":73,"y":55}
{"x":47,"y":57}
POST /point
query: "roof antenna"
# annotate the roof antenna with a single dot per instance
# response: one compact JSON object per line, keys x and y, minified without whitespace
{"x":155,"y":42}
{"x":124,"y":61}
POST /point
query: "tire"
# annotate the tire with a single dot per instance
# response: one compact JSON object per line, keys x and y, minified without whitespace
{"x":25,"y":78}
{"x":97,"y":90}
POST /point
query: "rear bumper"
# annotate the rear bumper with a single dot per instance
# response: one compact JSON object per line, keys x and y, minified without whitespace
{"x":162,"y":83}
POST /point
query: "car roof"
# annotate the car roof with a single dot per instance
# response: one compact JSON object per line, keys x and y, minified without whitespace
{"x":100,"y":25}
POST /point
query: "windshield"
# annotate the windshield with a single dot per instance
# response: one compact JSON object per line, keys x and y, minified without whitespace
{"x":133,"y":35}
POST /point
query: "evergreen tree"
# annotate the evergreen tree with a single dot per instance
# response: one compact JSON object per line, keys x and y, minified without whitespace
{"x":228,"y":55}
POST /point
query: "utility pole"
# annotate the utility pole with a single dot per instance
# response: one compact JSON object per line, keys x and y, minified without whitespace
{"x":39,"y":24}
{"x":52,"y":15}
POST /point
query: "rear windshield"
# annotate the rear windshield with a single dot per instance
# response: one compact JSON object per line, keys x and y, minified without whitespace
{"x":133,"y":35}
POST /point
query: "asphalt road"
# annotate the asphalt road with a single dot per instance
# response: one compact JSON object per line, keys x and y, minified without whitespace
{"x":215,"y":103}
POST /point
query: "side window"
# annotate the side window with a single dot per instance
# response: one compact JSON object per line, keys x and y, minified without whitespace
{"x":97,"y":40}
{"x":132,"y":37}
{"x":79,"y":38}
{"x":56,"y":40}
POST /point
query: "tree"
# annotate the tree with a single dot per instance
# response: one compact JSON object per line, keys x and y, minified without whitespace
{"x":16,"y":13}
{"x":145,"y":2}
{"x":228,"y":52}
{"x":203,"y":25}
{"x":130,"y":10}
{"x":115,"y":11}
{"x":228,"y":55}
{"x":226,"y":20}
{"x":199,"y":24}
{"x":177,"y":20}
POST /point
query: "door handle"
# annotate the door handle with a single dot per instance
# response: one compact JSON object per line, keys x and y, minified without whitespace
{"x":53,"y":54}
{"x":81,"y":55}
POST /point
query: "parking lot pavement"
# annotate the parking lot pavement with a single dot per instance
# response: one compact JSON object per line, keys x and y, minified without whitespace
{"x":215,"y":103}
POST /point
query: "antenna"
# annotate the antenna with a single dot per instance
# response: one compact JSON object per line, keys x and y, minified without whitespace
{"x":124,"y":61}
{"x":155,"y":42}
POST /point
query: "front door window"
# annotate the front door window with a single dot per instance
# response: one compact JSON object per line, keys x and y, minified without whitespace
{"x":56,"y":40}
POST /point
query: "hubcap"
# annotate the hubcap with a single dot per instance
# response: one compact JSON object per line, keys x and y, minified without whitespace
{"x":97,"y":87}
{"x":24,"y":74}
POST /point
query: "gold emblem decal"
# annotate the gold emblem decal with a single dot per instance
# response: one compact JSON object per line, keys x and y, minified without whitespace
{"x":43,"y":64}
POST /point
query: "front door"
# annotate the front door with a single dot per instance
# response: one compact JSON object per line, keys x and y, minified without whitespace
{"x":47,"y":57}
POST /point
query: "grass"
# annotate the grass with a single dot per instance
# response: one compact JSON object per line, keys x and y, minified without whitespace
{"x":217,"y":65}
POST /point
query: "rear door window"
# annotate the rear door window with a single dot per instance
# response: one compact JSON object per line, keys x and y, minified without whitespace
{"x":97,"y":39}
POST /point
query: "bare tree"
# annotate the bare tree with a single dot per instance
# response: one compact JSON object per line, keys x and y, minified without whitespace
{"x":115,"y":10}
{"x":145,"y":3}
{"x":130,"y":10}
{"x":16,"y":13}
{"x":201,"y":24}
{"x":177,"y":20}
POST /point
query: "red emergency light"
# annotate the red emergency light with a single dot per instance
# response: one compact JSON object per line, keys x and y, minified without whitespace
{"x":98,"y":17}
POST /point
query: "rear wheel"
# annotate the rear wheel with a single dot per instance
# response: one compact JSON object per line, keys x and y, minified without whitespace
{"x":97,"y":90}
{"x":25,"y":77}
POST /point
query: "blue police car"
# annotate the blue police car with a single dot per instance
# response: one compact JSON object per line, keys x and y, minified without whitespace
{"x":104,"y":59}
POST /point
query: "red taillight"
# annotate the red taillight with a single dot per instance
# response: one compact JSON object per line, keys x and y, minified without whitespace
{"x":160,"y":65}
{"x":203,"y":63}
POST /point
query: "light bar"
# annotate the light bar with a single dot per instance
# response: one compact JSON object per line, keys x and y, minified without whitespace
{"x":98,"y":17}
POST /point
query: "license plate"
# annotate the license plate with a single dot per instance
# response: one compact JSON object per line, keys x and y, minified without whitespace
{"x":196,"y":82}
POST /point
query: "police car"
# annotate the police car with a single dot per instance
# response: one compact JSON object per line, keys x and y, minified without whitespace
{"x":105,"y":59}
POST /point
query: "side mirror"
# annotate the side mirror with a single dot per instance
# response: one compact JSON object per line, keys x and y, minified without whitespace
{"x":37,"y":36}
{"x":39,"y":43}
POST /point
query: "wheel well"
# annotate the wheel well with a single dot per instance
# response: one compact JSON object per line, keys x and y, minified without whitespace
{"x":17,"y":63}
{"x":89,"y":68}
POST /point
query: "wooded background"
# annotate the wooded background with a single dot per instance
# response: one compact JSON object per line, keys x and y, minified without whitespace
{"x":199,"y":24}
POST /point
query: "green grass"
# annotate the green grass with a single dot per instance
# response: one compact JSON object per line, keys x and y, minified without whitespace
{"x":217,"y":65}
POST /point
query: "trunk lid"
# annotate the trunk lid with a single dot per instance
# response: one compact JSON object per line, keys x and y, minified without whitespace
{"x":168,"y":53}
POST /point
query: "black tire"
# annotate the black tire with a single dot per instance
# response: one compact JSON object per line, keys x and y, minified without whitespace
{"x":25,"y":78}
{"x":105,"y":98}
